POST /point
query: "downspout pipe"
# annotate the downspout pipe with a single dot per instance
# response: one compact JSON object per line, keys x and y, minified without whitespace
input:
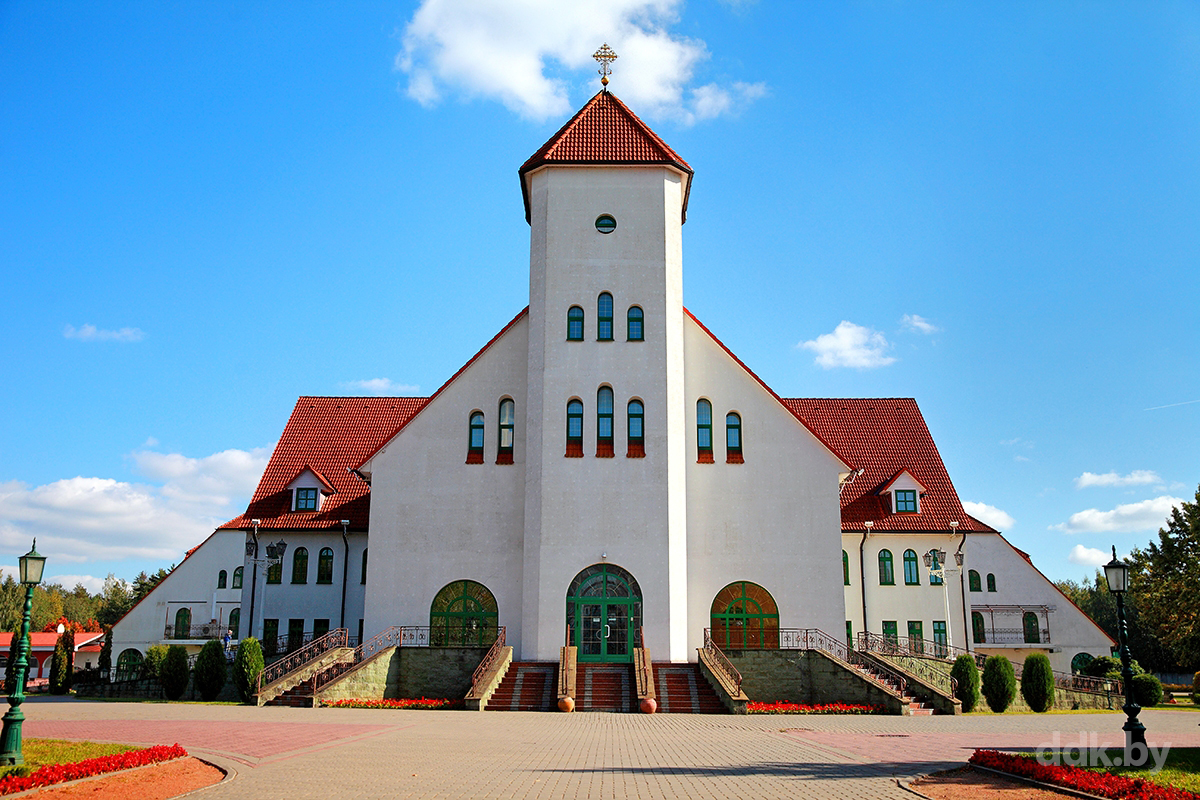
{"x":345,"y":566}
{"x":254,"y":572}
{"x":968,"y":625}
{"x":862,"y":568}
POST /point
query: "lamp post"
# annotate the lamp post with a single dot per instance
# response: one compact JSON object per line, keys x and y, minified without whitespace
{"x":32,"y":565}
{"x":1116,"y":573}
{"x":935,"y":560}
{"x":274,"y":555}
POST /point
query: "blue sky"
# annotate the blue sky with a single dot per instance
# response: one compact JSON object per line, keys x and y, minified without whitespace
{"x":209,"y":209}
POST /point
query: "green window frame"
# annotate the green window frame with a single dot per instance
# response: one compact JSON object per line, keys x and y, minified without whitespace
{"x":507,"y":423}
{"x":978,"y":628}
{"x":912,"y":575}
{"x":222,"y":579}
{"x":235,"y":623}
{"x":475,"y":430}
{"x":849,"y":633}
{"x":604,"y":317}
{"x":916,"y":635}
{"x":275,"y":572}
{"x":887,"y":576}
{"x":991,"y":582}
{"x":636,"y":424}
{"x":845,"y":569}
{"x":183,"y":624}
{"x":1080,"y":661}
{"x":306,"y":500}
{"x":295,"y":634}
{"x":574,"y":324}
{"x":634,"y":324}
{"x":320,"y":628}
{"x":906,"y":501}
{"x":575,"y":427}
{"x":939,"y":638}
{"x":604,"y":421}
{"x":129,"y":664}
{"x":363,"y":579}
{"x":325,"y":565}
{"x":1031,"y":628}
{"x":935,"y":580}
{"x":300,"y":565}
{"x":889,"y":631}
{"x":463,"y":614}
{"x":704,"y":446}
{"x":973,"y":581}
{"x":237,"y":578}
{"x":270,"y":640}
{"x":733,"y":437}
{"x":744,"y":616}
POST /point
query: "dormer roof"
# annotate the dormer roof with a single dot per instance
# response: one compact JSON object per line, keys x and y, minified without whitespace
{"x":326,"y":486}
{"x":900,"y":473}
{"x":605,"y":132}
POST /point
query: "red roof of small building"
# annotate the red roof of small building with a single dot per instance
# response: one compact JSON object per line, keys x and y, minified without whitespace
{"x":47,"y":641}
{"x":604,"y":131}
{"x":884,"y":436}
{"x":328,"y":435}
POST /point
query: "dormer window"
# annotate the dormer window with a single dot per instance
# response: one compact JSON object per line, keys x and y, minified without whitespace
{"x":906,"y":501}
{"x":306,"y":500}
{"x":903,"y":492}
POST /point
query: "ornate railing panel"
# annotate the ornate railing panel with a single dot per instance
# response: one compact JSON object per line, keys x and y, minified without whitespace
{"x":839,"y":648}
{"x":207,"y":630}
{"x":489,"y":660}
{"x":721,"y":661}
{"x":314,"y":649}
{"x":643,"y":675}
{"x":391,"y":637}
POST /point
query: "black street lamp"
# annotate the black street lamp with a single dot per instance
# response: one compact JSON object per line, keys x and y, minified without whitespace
{"x":32,"y":565}
{"x":1116,"y":572}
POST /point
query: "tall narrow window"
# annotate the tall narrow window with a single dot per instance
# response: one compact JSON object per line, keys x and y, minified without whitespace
{"x":222,"y":579}
{"x":1029,"y":622}
{"x":235,"y":622}
{"x":508,"y":417}
{"x":634,"y":321}
{"x":733,"y":439}
{"x":237,"y":578}
{"x":886,"y":576}
{"x":300,"y":565}
{"x":604,"y":326}
{"x":604,"y":423}
{"x":363,"y":579}
{"x":973,"y":581}
{"x":991,"y":580}
{"x":270,"y":637}
{"x":325,"y":565}
{"x":574,"y":324}
{"x":575,"y":429}
{"x":939,"y":639}
{"x":320,"y":628}
{"x":183,"y":623}
{"x":916,"y":636}
{"x":911,"y":576}
{"x":636,"y":420}
{"x":889,"y":630}
{"x":845,"y":569}
{"x":295,"y":638}
{"x":704,"y":432}
{"x":475,"y":439}
{"x":978,"y":629}
{"x":275,"y":572}
{"x":935,"y":580}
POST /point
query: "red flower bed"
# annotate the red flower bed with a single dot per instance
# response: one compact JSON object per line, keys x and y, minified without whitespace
{"x":797,"y":708}
{"x":58,"y":773}
{"x":403,"y":702}
{"x":1103,"y":784}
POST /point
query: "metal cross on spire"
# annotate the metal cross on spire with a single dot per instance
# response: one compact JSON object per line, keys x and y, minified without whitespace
{"x":605,"y":55}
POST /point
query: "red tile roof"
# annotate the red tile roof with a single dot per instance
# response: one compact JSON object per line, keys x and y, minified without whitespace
{"x":47,"y":641}
{"x":605,"y":131}
{"x":328,"y":435}
{"x":884,"y":436}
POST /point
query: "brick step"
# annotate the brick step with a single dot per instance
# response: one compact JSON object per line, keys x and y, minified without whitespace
{"x":604,"y":687}
{"x":682,"y":689}
{"x":527,"y":686}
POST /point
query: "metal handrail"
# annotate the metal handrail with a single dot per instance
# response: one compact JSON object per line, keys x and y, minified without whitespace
{"x":391,"y":637}
{"x":721,"y":661}
{"x":338,"y":637}
{"x":489,"y":659}
{"x":817,"y":639}
{"x":643,"y":676}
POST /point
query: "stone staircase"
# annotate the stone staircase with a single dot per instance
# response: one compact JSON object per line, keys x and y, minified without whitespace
{"x":527,"y":686}
{"x":295,"y":688}
{"x":915,"y":708}
{"x":604,"y":687}
{"x":681,"y":689}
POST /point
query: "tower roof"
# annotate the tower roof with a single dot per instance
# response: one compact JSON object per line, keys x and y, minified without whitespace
{"x":605,"y":131}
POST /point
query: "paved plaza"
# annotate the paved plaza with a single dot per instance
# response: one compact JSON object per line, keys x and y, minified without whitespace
{"x":344,"y":753}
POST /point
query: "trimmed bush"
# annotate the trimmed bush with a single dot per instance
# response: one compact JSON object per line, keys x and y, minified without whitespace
{"x":60,"y":667}
{"x":155,"y":654}
{"x":210,"y":670}
{"x":999,"y":683}
{"x":1195,"y":687}
{"x":10,"y":669}
{"x":1037,"y":682}
{"x":173,"y":672}
{"x":1147,"y":690}
{"x":967,"y":674}
{"x":246,"y":667}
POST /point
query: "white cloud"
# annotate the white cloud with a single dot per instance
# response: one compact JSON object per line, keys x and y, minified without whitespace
{"x":90,"y":333}
{"x":1139,"y":477}
{"x":1147,"y":515}
{"x":989,"y":515}
{"x":80,"y":519}
{"x":381,"y":386}
{"x":530,"y":55}
{"x":850,"y":345}
{"x":1087,"y":556}
{"x":914,"y":322}
{"x":69,"y":582}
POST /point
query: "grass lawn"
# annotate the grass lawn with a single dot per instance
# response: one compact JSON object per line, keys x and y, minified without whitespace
{"x":41,"y":752}
{"x":1181,"y":770}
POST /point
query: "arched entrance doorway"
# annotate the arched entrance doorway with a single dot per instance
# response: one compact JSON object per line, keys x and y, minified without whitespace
{"x":604,"y":610}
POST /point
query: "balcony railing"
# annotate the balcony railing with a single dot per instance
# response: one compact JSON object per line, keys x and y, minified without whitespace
{"x":208,"y":630}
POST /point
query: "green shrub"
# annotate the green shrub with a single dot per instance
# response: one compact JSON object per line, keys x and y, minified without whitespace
{"x":210,"y":670}
{"x":1147,"y":690}
{"x":999,"y":683}
{"x":246,"y":667}
{"x":1104,"y":667}
{"x":967,"y":674}
{"x":1195,"y":688}
{"x":60,"y":667}
{"x":105,"y":665}
{"x":155,"y":654}
{"x":173,"y":672}
{"x":10,"y":669}
{"x":1037,"y":682}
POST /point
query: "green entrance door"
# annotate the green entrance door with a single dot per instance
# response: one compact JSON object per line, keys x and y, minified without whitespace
{"x":604,"y":611}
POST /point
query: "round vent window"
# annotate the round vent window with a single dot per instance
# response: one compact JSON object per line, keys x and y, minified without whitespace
{"x":605,"y":223}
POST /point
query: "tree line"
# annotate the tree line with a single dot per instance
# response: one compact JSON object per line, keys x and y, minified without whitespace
{"x":76,"y":608}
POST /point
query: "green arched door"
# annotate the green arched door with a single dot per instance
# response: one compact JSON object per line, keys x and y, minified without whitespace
{"x":604,"y":610}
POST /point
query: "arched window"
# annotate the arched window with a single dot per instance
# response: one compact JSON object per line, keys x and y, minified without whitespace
{"x":183,"y":623}
{"x":733,"y":438}
{"x":704,"y":432}
{"x":574,"y":429}
{"x":745,"y":617}
{"x":604,"y":317}
{"x":325,"y":565}
{"x":978,"y":629}
{"x":604,"y":422}
{"x":886,"y":576}
{"x":845,"y":569}
{"x":463,"y":614}
{"x":235,"y":622}
{"x":911,"y":576}
{"x":222,"y":579}
{"x":1080,"y":661}
{"x":574,"y":324}
{"x":991,"y":580}
{"x":363,"y":579}
{"x":129,"y":665}
{"x":636,"y":421}
{"x":300,"y":565}
{"x":1033,"y":633}
{"x":508,"y":418}
{"x":935,"y":580}
{"x":275,"y":572}
{"x":973,"y":581}
{"x":475,"y":438}
{"x":237,"y":578}
{"x":634,"y":324}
